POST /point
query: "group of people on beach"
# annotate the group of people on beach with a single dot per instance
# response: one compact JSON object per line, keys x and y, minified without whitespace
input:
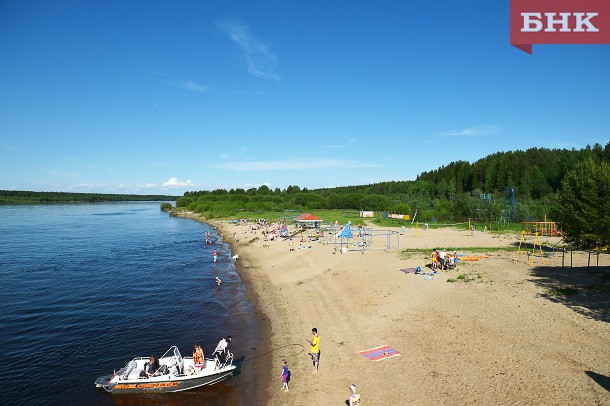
{"x":443,"y":261}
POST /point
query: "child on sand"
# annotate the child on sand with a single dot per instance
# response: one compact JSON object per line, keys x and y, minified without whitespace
{"x":354,"y":396}
{"x":285,"y":374}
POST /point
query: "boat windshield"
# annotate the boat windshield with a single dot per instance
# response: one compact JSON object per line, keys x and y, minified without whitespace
{"x":173,"y":351}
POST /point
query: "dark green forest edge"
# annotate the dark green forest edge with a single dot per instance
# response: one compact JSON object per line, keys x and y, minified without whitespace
{"x":25,"y":197}
{"x":568,"y":186}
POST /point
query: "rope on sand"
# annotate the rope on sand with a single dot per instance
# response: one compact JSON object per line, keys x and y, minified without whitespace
{"x":279,"y":348}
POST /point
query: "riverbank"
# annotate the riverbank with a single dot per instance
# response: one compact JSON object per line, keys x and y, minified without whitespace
{"x":255,"y":391}
{"x":491,"y":332}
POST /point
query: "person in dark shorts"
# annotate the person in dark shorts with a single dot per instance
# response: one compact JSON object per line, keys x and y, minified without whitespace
{"x":314,"y":349}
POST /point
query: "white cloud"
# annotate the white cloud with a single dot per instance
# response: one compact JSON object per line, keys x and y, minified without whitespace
{"x":173,"y":81}
{"x":262,"y":62}
{"x":174,"y":182}
{"x":150,"y":185}
{"x":472,"y":131}
{"x":195,"y":87}
{"x":347,"y":143}
{"x":291,"y":164}
{"x":84,"y":186}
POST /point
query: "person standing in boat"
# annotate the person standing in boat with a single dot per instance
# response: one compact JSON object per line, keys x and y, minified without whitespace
{"x":222,"y":350}
{"x":198,"y":359}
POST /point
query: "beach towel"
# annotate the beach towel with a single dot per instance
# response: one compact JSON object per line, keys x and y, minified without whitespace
{"x":408,"y":270}
{"x":471,"y":257}
{"x":379,"y":353}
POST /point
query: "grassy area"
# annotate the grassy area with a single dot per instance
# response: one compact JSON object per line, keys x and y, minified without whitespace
{"x":326,"y":215}
{"x":601,"y":288}
{"x":411,"y":252}
{"x":343,"y":216}
{"x":465,"y":277}
{"x":562,"y":291}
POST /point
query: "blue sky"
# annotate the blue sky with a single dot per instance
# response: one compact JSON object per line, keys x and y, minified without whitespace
{"x":162,"y":97}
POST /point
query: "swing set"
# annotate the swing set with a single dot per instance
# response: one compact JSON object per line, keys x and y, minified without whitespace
{"x":537,"y":244}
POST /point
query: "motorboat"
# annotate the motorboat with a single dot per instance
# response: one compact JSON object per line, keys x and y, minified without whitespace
{"x":175,"y":374}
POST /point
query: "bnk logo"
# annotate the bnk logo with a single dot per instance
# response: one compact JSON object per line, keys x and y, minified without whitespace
{"x":559,"y":22}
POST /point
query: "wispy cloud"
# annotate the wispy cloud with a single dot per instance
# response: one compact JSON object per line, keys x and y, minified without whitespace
{"x":174,"y":182}
{"x":84,"y":186}
{"x":195,"y":87}
{"x":472,"y":131}
{"x":291,"y":164}
{"x":183,"y":84}
{"x":262,"y":62}
{"x":347,"y":143}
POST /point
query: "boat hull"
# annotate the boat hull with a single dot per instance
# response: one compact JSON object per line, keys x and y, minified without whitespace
{"x":166,"y":385}
{"x":174,"y":373}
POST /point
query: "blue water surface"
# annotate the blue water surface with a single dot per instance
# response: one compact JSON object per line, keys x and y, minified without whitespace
{"x":86,"y":287}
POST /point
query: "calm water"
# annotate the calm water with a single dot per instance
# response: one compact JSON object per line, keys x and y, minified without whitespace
{"x":86,"y":287}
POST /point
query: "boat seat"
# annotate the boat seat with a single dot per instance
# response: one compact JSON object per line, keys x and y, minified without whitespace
{"x":134,"y":373}
{"x":163,"y":370}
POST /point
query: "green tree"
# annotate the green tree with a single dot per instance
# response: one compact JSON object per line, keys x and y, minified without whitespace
{"x":403,"y":208}
{"x":375,"y":202}
{"x":583,"y":204}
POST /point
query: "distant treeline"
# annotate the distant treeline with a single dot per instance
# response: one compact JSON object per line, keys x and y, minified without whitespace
{"x":26,"y":197}
{"x":482,"y":190}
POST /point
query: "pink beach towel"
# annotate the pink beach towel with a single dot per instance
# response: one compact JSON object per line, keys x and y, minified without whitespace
{"x":379,"y":353}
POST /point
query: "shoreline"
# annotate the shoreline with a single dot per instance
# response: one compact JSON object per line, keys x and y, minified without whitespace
{"x":493,"y":337}
{"x":257,"y":392}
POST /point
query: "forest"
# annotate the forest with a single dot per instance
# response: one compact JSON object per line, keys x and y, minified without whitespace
{"x":26,"y":197}
{"x":509,"y":186}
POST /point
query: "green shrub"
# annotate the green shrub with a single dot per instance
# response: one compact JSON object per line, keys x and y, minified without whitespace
{"x":562,"y":291}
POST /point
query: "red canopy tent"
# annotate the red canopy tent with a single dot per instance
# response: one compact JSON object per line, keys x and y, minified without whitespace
{"x":308,"y":220}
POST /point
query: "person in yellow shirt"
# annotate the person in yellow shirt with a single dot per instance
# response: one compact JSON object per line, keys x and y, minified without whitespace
{"x":314,"y":349}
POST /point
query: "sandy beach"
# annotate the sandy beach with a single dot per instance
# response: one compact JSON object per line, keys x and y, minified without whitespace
{"x":495,"y":335}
